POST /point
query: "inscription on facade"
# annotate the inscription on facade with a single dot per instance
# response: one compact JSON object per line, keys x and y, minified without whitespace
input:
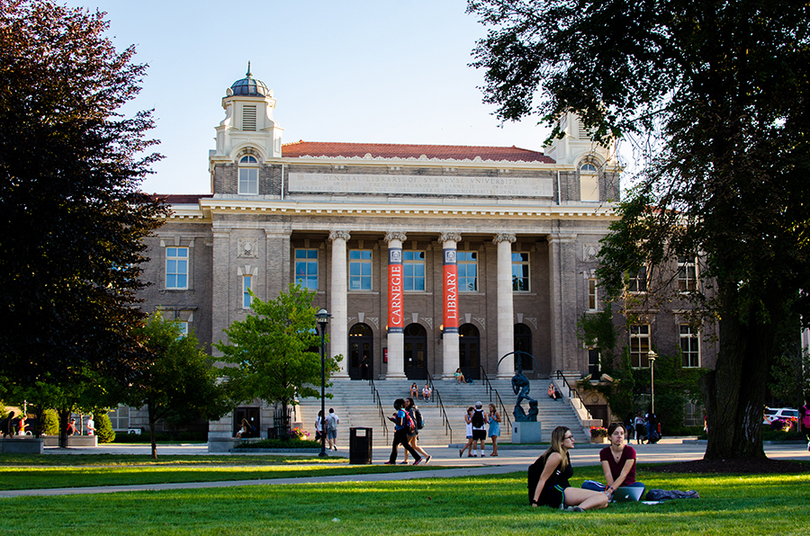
{"x":421,"y":185}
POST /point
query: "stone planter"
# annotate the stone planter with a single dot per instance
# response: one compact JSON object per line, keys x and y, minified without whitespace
{"x":21,"y":445}
{"x":72,"y":441}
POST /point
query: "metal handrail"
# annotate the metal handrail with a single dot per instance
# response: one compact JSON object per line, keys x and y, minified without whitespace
{"x":572,"y":393}
{"x":498,"y":399}
{"x":375,"y":396}
{"x":448,"y":430}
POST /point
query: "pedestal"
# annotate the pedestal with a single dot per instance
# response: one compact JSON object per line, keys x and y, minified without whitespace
{"x":526,"y":432}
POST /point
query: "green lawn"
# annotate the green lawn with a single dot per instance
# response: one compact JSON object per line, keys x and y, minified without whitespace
{"x":487,"y":505}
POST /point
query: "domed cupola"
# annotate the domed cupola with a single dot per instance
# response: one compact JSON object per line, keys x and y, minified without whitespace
{"x":249,"y":87}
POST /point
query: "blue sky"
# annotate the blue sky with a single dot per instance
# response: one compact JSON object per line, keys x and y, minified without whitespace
{"x":351,"y":71}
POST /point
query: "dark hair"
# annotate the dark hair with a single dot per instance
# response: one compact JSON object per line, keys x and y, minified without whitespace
{"x":613,"y":426}
{"x":398,"y":403}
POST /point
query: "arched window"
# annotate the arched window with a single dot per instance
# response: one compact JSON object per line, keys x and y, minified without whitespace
{"x":248,"y":175}
{"x":588,"y":182}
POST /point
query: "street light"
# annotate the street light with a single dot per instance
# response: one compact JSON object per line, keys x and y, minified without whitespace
{"x":323,"y":317}
{"x":651,"y":356}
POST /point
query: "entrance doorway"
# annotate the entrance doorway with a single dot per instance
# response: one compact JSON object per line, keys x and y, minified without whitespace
{"x":523,"y":343}
{"x":361,"y":352}
{"x":469,"y":345}
{"x":253,"y":417}
{"x":415,"y":352}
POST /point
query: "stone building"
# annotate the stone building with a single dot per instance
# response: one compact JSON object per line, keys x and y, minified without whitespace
{"x":429,"y":258}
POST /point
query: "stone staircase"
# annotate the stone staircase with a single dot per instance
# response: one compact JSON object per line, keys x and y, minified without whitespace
{"x":355,"y":404}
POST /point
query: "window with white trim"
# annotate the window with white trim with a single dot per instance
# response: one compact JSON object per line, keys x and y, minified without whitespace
{"x":520,"y":272}
{"x":247,"y":284}
{"x":637,"y":281}
{"x":690,"y":346}
{"x":119,"y":418}
{"x":467,"y":266}
{"x":248,"y":175}
{"x":413,"y":270}
{"x":687,"y":274}
{"x":360,"y":269}
{"x":177,"y":268}
{"x":306,"y":268}
{"x":592,"y":297}
{"x":639,"y":345}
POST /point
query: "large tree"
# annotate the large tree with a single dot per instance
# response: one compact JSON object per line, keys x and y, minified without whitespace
{"x":179,"y":382}
{"x":72,"y":217}
{"x":274,"y":352}
{"x":717,"y":93}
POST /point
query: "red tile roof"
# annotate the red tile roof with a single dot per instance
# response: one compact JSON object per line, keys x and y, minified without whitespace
{"x":181,"y":199}
{"x":391,"y":150}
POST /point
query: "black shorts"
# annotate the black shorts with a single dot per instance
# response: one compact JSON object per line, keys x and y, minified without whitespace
{"x":479,"y":434}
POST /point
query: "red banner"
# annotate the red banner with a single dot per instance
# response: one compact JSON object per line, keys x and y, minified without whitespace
{"x":396,"y":320}
{"x":450,"y":271}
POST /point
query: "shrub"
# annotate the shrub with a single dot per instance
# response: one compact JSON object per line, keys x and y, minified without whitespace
{"x":104,"y":429}
{"x":50,"y":422}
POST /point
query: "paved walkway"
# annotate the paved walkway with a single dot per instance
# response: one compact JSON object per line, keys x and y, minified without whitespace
{"x":509,"y":459}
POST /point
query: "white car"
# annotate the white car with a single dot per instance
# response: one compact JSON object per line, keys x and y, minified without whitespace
{"x":786,"y":414}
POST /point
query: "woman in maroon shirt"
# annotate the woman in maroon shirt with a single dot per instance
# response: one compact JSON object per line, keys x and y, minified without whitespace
{"x":618,"y":462}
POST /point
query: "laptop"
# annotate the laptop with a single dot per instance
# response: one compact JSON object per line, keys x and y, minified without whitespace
{"x":628,"y":493}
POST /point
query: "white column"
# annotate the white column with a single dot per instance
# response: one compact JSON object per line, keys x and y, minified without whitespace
{"x":396,"y":308}
{"x":506,"y":328}
{"x":450,"y":316}
{"x":338,"y":327}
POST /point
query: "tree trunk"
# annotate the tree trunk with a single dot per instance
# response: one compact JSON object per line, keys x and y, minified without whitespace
{"x":734,"y":392}
{"x":152,"y":420}
{"x":64,"y":418}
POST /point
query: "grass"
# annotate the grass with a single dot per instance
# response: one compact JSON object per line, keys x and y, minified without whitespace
{"x":68,"y":471}
{"x":491,"y":505}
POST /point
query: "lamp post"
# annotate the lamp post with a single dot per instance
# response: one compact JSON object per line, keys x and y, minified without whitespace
{"x":651,"y":356}
{"x":323,"y":317}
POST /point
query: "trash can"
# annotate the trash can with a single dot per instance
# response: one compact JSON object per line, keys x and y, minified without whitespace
{"x":360,"y":445}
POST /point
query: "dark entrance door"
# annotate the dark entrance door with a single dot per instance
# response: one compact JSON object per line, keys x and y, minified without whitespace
{"x":253,"y":417}
{"x":523,"y":343}
{"x":361,"y":352}
{"x":415,"y":352}
{"x":468,"y":351}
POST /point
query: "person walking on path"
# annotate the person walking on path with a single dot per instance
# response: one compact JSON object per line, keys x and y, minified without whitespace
{"x":494,"y":428}
{"x":479,"y":429}
{"x":332,"y":421}
{"x":402,"y":425}
{"x":468,"y":446}
{"x":548,"y":478}
{"x":804,"y":421}
{"x":413,"y":438}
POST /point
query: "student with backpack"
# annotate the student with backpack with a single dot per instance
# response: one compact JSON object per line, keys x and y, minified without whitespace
{"x":413,"y":438}
{"x":479,"y":429}
{"x":403,"y":425}
{"x":332,"y":421}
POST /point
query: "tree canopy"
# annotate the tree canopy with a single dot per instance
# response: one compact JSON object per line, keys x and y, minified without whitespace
{"x":715,"y":95}
{"x":72,"y":217}
{"x":179,"y":383}
{"x":276,"y":350}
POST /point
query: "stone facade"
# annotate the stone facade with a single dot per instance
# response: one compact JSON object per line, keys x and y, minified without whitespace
{"x":524,"y":226}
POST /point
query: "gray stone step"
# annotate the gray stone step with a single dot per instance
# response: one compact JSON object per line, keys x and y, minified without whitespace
{"x":355,"y":404}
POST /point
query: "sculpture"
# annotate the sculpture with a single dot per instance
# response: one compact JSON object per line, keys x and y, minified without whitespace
{"x":521,"y":387}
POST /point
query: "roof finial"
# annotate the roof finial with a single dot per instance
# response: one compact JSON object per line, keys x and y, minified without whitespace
{"x":248,"y":72}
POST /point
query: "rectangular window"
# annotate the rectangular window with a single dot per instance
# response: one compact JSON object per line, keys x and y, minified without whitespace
{"x":467,"y":271}
{"x":592,"y":298}
{"x":687,"y":274}
{"x":637,"y":282}
{"x":360,"y":269}
{"x":306,"y":268}
{"x":639,"y":345}
{"x":248,"y":181}
{"x":247,"y":284}
{"x":183,"y":329}
{"x":413,"y":270}
{"x":690,"y":347}
{"x":589,"y":187}
{"x":593,"y":363}
{"x":520,"y":272}
{"x":177,"y":268}
{"x":119,"y":418}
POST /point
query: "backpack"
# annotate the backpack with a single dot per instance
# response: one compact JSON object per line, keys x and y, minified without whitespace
{"x":408,"y":423}
{"x":535,"y":470}
{"x":331,"y":425}
{"x":478,"y":418}
{"x":420,"y":422}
